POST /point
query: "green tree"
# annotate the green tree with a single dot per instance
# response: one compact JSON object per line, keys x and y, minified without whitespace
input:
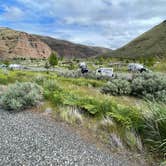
{"x":53,"y":59}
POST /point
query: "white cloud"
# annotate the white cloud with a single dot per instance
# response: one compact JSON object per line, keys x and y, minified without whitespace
{"x":110,"y":23}
{"x":12,"y":13}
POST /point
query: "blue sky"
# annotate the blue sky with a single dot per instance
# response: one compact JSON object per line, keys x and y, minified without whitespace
{"x":107,"y":23}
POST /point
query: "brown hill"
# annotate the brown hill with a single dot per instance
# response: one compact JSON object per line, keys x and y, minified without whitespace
{"x":20,"y":44}
{"x":69,"y":49}
{"x":150,"y":44}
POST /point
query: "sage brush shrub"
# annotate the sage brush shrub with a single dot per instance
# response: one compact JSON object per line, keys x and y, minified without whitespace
{"x":78,"y":74}
{"x":150,"y":86}
{"x":146,"y":85}
{"x":19,"y":96}
{"x":117,"y":87}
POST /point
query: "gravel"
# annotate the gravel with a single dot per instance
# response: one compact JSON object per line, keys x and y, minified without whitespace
{"x":30,"y":139}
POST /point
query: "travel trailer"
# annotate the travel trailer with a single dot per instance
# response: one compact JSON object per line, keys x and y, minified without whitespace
{"x":136,"y":67}
{"x":105,"y":72}
{"x":15,"y":66}
{"x":83,"y":67}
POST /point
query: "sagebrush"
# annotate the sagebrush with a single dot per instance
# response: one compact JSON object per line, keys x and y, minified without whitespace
{"x":146,"y":85}
{"x":19,"y":96}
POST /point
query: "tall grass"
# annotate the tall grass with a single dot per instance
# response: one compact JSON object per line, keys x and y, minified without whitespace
{"x":132,"y":124}
{"x":154,"y":128}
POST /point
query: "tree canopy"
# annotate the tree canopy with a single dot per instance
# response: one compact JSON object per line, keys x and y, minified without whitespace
{"x":53,"y":59}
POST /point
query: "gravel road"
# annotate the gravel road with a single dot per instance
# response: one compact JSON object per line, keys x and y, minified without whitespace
{"x":30,"y":139}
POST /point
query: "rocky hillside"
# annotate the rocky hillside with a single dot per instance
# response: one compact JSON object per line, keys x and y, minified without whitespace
{"x":20,"y":44}
{"x":69,"y":49}
{"x":150,"y":44}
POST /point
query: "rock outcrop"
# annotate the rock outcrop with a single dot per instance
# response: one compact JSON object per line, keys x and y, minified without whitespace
{"x":20,"y":44}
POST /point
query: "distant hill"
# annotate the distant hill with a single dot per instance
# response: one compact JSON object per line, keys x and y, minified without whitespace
{"x":150,"y":44}
{"x":69,"y":49}
{"x":20,"y":44}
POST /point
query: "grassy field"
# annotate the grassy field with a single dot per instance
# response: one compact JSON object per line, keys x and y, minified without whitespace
{"x":131,"y":123}
{"x":154,"y":64}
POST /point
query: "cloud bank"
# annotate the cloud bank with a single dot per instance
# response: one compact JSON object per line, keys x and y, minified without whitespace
{"x":107,"y":23}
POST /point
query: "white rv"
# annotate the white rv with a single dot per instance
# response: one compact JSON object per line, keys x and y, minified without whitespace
{"x":83,"y":67}
{"x":136,"y":67}
{"x":15,"y":66}
{"x":105,"y":72}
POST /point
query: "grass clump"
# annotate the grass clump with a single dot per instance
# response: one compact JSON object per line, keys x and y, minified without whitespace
{"x":83,"y":82}
{"x":19,"y":96}
{"x":153,"y":130}
{"x":71,"y":115}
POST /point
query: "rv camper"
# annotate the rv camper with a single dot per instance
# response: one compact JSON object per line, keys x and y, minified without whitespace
{"x":15,"y":66}
{"x":136,"y":67}
{"x":105,"y":72}
{"x":83,"y":67}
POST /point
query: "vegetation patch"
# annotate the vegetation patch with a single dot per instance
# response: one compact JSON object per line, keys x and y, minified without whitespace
{"x":153,"y":130}
{"x":150,"y":86}
{"x":147,"y":85}
{"x":77,"y":98}
{"x":117,"y":87}
{"x":19,"y":96}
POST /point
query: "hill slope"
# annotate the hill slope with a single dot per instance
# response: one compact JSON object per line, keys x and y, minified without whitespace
{"x":69,"y":49}
{"x":150,"y":44}
{"x":20,"y":44}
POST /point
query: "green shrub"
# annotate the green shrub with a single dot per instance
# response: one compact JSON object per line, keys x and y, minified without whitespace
{"x":19,"y":96}
{"x":150,"y":86}
{"x":53,"y":59}
{"x":146,"y":85}
{"x":52,"y":91}
{"x":117,"y":87}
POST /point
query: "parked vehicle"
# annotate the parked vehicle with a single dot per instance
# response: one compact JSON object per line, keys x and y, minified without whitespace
{"x":83,"y":67}
{"x":2,"y":66}
{"x":136,"y":67}
{"x":15,"y":66}
{"x":105,"y":72}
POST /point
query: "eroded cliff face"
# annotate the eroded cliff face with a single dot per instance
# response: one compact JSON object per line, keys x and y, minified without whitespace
{"x":20,"y":44}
